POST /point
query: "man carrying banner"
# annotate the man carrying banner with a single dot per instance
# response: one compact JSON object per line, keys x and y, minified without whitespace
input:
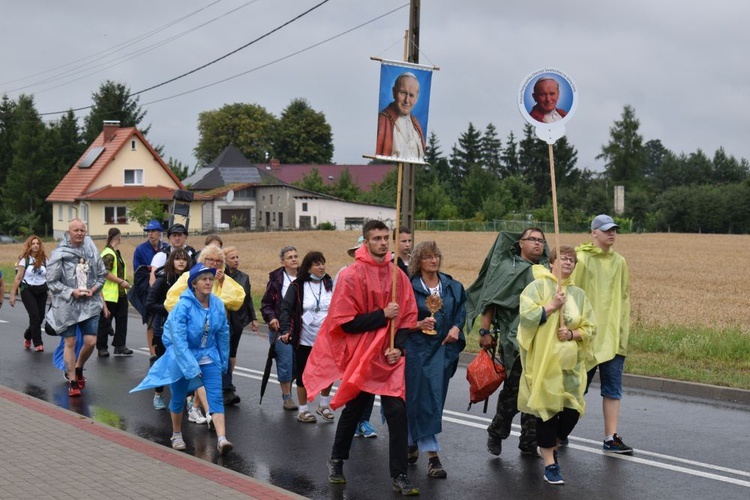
{"x":354,"y":345}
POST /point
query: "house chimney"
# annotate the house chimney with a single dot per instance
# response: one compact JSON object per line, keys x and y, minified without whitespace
{"x":110,"y":129}
{"x":275,"y":163}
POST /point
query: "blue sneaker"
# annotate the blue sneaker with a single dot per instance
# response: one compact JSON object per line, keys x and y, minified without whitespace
{"x":552,"y":474}
{"x":159,"y":403}
{"x":367,"y":430}
{"x":358,"y":433}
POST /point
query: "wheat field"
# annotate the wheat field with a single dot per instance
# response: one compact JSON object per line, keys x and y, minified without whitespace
{"x":676,"y":279}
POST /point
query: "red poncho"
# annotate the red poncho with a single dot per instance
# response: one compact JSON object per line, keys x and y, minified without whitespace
{"x":358,"y":359}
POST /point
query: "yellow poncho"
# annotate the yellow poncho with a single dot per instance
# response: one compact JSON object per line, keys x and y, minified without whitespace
{"x":230,"y":293}
{"x":605,"y":279}
{"x":554,"y":371}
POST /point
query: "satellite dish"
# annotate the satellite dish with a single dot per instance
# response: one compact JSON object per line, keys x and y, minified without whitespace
{"x":230,"y":196}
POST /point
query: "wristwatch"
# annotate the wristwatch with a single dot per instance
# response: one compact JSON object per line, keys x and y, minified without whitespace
{"x":484,"y":331}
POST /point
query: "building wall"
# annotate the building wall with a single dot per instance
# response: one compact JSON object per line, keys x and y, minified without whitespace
{"x":278,"y":203}
{"x":336,"y":212}
{"x":134,"y":159}
{"x":212,"y":212}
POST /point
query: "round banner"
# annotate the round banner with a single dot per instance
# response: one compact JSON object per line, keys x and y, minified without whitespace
{"x":547,"y":100}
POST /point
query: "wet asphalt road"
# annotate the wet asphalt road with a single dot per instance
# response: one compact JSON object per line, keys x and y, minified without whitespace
{"x":684,"y":447}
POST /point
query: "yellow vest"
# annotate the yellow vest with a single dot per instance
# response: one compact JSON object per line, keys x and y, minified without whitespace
{"x":111,"y":290}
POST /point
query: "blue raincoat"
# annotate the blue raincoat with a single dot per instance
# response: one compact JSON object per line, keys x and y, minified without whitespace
{"x":190,"y":333}
{"x":430,"y":364}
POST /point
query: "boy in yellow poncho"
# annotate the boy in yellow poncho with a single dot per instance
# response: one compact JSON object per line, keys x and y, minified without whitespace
{"x":554,"y":356}
{"x":603,"y":274}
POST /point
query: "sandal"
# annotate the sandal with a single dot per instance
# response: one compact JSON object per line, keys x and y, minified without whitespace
{"x":435,"y":469}
{"x":306,"y":417}
{"x":413,"y":455}
{"x":326,"y":413}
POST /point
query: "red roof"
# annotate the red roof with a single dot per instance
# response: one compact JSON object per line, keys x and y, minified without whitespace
{"x":129,"y":193}
{"x":363,"y":175}
{"x":77,"y":182}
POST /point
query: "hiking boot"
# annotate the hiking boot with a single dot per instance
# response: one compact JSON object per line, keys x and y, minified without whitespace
{"x":231,"y":398}
{"x":401,"y":484}
{"x":435,"y":469}
{"x":552,"y":475}
{"x":615,"y":445}
{"x":74,"y":391}
{"x":123,"y":351}
{"x":103,"y":353}
{"x":290,"y":405}
{"x":367,"y":430}
{"x":159,"y":403}
{"x":336,"y":471}
{"x":494,"y":445}
{"x":413,"y":455}
{"x":531,"y":451}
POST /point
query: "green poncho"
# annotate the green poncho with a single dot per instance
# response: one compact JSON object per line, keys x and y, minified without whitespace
{"x":554,"y":371}
{"x":605,"y":279}
{"x":501,"y":280}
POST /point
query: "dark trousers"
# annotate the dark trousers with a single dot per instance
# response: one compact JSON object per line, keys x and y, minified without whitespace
{"x":34,"y":299}
{"x":558,"y":427}
{"x":395,"y":415}
{"x":160,"y":350}
{"x":507,"y":407}
{"x":119,"y":311}
{"x":235,"y":334}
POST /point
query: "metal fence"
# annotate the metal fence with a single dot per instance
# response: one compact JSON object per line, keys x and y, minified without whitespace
{"x":494,"y":226}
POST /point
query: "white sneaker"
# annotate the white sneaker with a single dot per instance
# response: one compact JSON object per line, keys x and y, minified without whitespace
{"x":196,"y":416}
{"x":208,"y":420}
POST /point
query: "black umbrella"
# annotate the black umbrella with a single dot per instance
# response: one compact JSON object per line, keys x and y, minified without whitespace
{"x":269,"y":363}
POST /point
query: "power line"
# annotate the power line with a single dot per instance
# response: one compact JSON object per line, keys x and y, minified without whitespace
{"x":209,"y":63}
{"x":105,"y":52}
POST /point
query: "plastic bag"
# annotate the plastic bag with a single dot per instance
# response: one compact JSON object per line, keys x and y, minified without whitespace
{"x":484,"y":375}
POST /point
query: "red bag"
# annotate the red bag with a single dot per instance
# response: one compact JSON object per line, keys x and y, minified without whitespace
{"x":484,"y":375}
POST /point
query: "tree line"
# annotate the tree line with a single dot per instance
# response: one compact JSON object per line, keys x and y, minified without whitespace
{"x":482,"y":177}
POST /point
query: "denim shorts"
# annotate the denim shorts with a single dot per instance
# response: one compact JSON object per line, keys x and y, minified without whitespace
{"x":88,"y":327}
{"x":610,"y":377}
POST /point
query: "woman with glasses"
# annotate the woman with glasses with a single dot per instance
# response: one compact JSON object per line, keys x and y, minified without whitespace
{"x":432,"y":352}
{"x":553,"y":354}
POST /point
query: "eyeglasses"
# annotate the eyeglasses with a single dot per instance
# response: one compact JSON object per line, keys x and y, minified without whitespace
{"x":214,"y":261}
{"x":568,"y":259}
{"x":540,"y":241}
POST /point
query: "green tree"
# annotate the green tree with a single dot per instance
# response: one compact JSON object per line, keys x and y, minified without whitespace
{"x":181,"y":170}
{"x":438,"y":167}
{"x":345,"y":187}
{"x":624,"y":155}
{"x":534,"y":161}
{"x":303,"y":135}
{"x":477,"y":186}
{"x":250,"y":127}
{"x":510,"y":163}
{"x":727,"y":170}
{"x":113,"y":102}
{"x":384,"y":192}
{"x":8,"y":134}
{"x":147,"y":209}
{"x":466,"y":153}
{"x":312,"y":181}
{"x":491,"y":148}
{"x":30,"y":178}
{"x":67,"y":144}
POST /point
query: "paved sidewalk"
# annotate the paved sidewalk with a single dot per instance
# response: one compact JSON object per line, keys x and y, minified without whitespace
{"x":50,"y":452}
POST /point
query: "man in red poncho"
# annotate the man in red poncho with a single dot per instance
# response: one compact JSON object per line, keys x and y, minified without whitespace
{"x":353,"y":345}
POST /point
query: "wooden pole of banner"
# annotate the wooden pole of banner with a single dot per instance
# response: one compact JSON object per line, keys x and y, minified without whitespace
{"x":396,"y":270}
{"x":558,"y":267}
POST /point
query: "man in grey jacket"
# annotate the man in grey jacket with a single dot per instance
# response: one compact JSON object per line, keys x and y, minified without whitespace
{"x":75,"y":276}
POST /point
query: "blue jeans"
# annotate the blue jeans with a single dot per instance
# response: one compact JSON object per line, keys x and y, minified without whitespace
{"x":610,"y":377}
{"x":88,"y":327}
{"x":284,"y":359}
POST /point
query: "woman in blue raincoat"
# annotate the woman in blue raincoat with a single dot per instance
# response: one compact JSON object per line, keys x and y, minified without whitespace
{"x":432,"y":358}
{"x":196,"y":336}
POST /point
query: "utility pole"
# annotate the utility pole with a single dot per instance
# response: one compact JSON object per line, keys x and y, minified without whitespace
{"x":412,"y":56}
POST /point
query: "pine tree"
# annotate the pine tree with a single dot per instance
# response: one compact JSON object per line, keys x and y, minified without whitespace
{"x":113,"y":102}
{"x":492,"y":151}
{"x":624,"y":155}
{"x":467,"y":153}
{"x":510,"y":164}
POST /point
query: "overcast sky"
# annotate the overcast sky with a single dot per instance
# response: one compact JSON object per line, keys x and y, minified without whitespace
{"x":683,"y":67}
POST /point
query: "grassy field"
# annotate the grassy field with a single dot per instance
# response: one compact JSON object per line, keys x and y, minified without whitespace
{"x":688,"y":304}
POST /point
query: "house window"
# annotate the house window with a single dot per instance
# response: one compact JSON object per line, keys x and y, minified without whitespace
{"x":132,"y":145}
{"x":304,"y":207}
{"x":271,"y":199}
{"x":70,"y":212}
{"x":85,"y":213}
{"x":134,"y":177}
{"x":274,"y":216}
{"x":115,"y":215}
{"x":59,"y":211}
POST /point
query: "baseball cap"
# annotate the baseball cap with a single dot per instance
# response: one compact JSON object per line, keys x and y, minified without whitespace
{"x":353,"y":249}
{"x":603,"y":223}
{"x":176,"y":229}
{"x":153,"y":225}
{"x":197,"y":270}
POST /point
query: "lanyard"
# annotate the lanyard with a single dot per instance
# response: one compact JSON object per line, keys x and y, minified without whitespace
{"x":317,"y":297}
